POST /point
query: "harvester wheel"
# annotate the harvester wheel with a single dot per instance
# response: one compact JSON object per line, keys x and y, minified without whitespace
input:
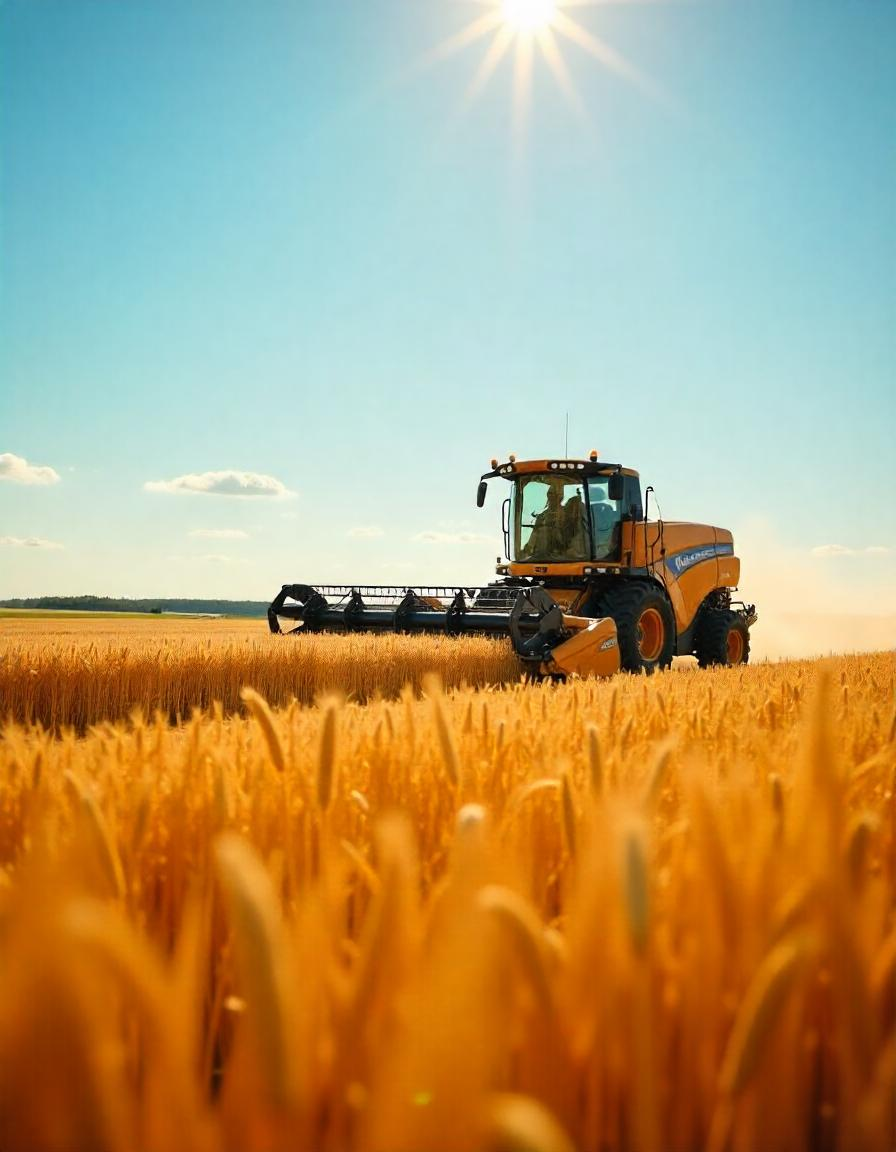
{"x":644,"y":625}
{"x":722,"y":638}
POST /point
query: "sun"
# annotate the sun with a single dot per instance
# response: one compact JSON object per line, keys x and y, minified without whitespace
{"x":529,"y":15}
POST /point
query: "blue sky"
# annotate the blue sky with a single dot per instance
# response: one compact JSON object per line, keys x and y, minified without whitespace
{"x":279,"y":239}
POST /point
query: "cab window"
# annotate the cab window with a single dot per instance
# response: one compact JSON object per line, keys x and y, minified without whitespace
{"x":550,"y":520}
{"x":606,"y":516}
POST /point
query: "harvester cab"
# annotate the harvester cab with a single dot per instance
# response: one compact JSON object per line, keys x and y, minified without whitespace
{"x":588,"y":585}
{"x":564,"y":511}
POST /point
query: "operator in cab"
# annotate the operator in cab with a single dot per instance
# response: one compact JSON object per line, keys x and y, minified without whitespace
{"x":560,"y":530}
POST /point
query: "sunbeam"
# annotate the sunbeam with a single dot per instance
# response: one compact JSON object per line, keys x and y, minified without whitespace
{"x":527,"y":25}
{"x":554,"y":59}
{"x":473,"y":31}
{"x":497,"y":49}
{"x":611,"y":60}
{"x":522,"y":84}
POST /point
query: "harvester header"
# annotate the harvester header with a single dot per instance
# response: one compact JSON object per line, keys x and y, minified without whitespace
{"x":589,"y":583}
{"x":541,"y":634}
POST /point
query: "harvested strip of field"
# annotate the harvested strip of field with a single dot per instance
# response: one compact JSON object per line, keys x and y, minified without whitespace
{"x":85,"y":629}
{"x":623,"y":916}
{"x":61,"y":682}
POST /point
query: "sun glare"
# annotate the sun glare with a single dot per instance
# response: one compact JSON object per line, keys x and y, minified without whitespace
{"x":529,"y":31}
{"x":529,"y":15}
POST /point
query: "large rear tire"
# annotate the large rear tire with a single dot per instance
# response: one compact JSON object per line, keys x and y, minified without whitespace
{"x":722,"y":638}
{"x":645,"y":626}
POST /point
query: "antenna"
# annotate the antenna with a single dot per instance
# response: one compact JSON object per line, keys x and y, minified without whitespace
{"x":566,"y":448}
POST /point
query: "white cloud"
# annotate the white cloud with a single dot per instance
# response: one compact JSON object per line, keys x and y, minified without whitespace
{"x":220,"y":534}
{"x":365,"y":532}
{"x":832,"y":550}
{"x":19,"y":471}
{"x":218,"y":558}
{"x":827,"y":550}
{"x":28,"y":542}
{"x":226,"y":483}
{"x":430,"y":536}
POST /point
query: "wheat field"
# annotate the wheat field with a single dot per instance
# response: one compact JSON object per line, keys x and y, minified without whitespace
{"x":74,"y":673}
{"x":643,"y":914}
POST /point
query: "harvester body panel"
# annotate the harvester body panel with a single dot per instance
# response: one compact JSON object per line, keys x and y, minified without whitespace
{"x":591,"y":650}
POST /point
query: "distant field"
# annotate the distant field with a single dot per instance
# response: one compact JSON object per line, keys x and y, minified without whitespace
{"x":66,"y":614}
{"x":782,"y":635}
{"x":86,"y":627}
{"x":778,"y":635}
{"x":79,"y":668}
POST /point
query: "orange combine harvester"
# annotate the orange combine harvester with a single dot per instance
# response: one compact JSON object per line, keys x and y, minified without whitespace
{"x":590,"y":585}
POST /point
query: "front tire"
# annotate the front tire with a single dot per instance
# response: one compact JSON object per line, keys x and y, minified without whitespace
{"x":645,"y":626}
{"x":722,"y":638}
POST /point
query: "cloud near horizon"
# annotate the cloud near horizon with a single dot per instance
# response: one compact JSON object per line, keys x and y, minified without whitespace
{"x":207,"y":558}
{"x":365,"y":532}
{"x":29,"y":542}
{"x":786,"y":581}
{"x":827,"y":550}
{"x":19,"y":471}
{"x":430,"y":536}
{"x":219,"y":534}
{"x":229,"y":482}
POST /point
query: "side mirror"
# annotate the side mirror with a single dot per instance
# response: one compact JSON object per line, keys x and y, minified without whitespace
{"x":616,"y":487}
{"x":480,"y":494}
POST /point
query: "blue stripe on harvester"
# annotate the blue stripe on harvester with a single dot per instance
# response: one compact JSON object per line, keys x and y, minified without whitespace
{"x":682,"y":561}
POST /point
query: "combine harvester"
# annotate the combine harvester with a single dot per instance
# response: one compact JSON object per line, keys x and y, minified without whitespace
{"x":591,"y":585}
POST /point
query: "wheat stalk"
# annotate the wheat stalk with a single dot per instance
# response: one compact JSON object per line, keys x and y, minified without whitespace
{"x":326,"y":759}
{"x":758,"y":1013}
{"x":259,"y":946}
{"x":260,"y":711}
{"x":525,"y":935}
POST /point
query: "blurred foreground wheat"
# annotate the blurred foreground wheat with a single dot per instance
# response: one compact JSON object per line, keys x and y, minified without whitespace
{"x":638,"y":914}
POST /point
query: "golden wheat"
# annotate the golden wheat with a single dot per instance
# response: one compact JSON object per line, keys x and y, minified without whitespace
{"x":628,"y":915}
{"x":66,"y":677}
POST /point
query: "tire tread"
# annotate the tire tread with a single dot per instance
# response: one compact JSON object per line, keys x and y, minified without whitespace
{"x":625,"y":604}
{"x":712,"y":636}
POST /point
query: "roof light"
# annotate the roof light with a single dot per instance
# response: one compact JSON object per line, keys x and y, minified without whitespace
{"x":593,"y":455}
{"x":512,"y":458}
{"x":494,"y":464}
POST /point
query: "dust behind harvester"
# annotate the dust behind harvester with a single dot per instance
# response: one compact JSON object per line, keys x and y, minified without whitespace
{"x":590,"y":584}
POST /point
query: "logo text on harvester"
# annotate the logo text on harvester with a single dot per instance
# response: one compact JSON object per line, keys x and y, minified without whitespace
{"x":685,"y":560}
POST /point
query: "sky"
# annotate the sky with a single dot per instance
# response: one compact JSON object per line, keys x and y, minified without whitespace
{"x":277,"y":281}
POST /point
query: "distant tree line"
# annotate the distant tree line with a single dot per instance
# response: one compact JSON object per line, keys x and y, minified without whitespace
{"x":155,"y":607}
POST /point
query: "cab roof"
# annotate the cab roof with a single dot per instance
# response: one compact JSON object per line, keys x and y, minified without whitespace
{"x":557,"y":466}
